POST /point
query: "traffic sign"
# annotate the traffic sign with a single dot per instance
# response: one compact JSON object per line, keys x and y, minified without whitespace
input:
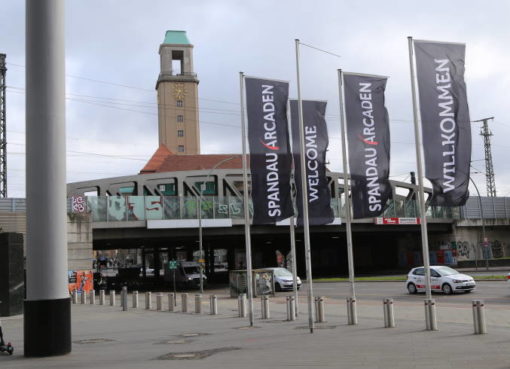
{"x":172,"y":264}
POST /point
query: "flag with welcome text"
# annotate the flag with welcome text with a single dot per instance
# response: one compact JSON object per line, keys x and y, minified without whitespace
{"x":316,"y":145}
{"x":445,"y":123}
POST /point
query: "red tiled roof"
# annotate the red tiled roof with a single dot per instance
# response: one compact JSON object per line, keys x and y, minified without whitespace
{"x":156,"y":160}
{"x":165,"y":161}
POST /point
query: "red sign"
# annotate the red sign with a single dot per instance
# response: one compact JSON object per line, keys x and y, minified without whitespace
{"x":397,"y":221}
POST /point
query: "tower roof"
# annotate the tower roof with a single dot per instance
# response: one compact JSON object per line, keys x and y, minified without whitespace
{"x":176,"y":38}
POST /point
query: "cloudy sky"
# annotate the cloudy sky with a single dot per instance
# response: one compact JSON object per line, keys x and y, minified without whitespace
{"x":113,"y":64}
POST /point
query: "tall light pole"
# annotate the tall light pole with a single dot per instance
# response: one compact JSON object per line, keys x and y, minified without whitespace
{"x":199,"y":211}
{"x":483,"y":222}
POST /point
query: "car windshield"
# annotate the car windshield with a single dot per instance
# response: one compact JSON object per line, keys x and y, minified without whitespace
{"x":191,"y":270}
{"x":444,"y":270}
{"x":282,"y":272}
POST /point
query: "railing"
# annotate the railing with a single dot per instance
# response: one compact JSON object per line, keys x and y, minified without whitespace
{"x":492,"y":208}
{"x":136,"y":208}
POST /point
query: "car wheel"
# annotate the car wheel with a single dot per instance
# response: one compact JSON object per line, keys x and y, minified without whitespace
{"x":411,"y":288}
{"x":277,"y":287}
{"x":447,"y":289}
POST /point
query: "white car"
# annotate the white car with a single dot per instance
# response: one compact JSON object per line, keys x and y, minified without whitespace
{"x":283,"y":279}
{"x":442,"y":279}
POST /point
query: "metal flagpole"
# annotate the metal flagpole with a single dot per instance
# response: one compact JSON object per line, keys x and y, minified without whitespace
{"x":200,"y":241}
{"x":421,"y":196}
{"x":306,"y":225}
{"x":294,"y":261}
{"x":247,"y":234}
{"x":352,"y":314}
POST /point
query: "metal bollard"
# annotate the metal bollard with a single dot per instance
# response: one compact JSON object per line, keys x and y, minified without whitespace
{"x":148,"y":300}
{"x":352,"y":311}
{"x":159,"y":302}
{"x":112,"y":297}
{"x":241,"y":305}
{"x":291,"y":308}
{"x":171,"y":301}
{"x":83,"y":297}
{"x":92,"y":297}
{"x":135,"y":299}
{"x":264,"y":301}
{"x":102,"y":297}
{"x":75,"y":297}
{"x":184,"y":302}
{"x":319,"y":310}
{"x":213,"y":303}
{"x":198,"y":304}
{"x":389,"y":315}
{"x":430,"y":315}
{"x":124,"y":298}
{"x":479,"y":317}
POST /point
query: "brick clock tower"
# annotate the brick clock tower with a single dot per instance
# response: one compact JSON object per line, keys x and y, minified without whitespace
{"x":177,"y":88}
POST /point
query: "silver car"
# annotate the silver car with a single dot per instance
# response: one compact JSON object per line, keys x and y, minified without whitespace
{"x":284,"y":279}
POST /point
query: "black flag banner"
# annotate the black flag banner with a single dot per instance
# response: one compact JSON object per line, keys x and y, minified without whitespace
{"x":316,"y":144}
{"x":444,"y":120}
{"x":270,"y":157}
{"x":368,"y":137}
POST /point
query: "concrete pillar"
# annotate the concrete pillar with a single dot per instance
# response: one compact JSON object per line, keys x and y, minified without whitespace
{"x":159,"y":302}
{"x":184,"y":302}
{"x":102,"y":297}
{"x":213,"y":303}
{"x":148,"y":300}
{"x":92,"y":297}
{"x":112,"y":298}
{"x":171,"y":301}
{"x":47,"y":311}
{"x":135,"y":299}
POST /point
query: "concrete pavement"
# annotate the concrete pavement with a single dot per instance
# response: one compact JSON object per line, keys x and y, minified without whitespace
{"x":106,"y":337}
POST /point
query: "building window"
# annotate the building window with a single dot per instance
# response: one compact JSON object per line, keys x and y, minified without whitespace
{"x":180,"y":118}
{"x":180,"y":133}
{"x":180,"y":148}
{"x":180,"y":103}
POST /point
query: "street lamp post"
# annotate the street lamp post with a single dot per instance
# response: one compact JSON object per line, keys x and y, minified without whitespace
{"x":483,"y":224}
{"x":199,"y":211}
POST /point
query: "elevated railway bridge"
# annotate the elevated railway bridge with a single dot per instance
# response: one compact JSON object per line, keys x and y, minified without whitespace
{"x":154,"y":218}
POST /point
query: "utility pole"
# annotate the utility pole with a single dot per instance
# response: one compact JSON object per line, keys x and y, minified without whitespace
{"x":489,"y":168}
{"x":3,"y":129}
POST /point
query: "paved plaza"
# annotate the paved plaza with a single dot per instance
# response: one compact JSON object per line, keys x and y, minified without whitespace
{"x":104,"y":336}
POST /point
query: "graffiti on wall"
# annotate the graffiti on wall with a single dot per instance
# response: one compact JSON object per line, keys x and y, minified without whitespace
{"x":466,"y":250}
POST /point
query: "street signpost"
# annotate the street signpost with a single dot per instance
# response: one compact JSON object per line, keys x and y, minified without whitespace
{"x":172,"y":265}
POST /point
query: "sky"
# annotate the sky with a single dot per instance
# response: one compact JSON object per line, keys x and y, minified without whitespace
{"x":112,"y":64}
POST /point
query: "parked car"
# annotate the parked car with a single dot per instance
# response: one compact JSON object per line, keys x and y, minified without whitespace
{"x":284,"y":279}
{"x":187,"y":275}
{"x":442,"y":279}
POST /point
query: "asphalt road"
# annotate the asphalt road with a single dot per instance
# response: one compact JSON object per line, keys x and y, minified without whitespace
{"x":492,"y":292}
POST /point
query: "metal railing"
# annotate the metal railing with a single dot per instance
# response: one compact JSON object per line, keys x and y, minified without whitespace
{"x":140,"y":208}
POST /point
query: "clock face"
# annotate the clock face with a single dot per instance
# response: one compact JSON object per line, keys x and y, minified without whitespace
{"x":179,"y":91}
